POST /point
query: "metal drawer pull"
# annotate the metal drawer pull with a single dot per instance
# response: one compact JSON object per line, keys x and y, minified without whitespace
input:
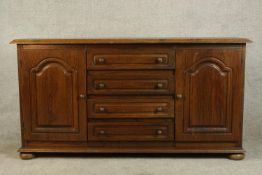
{"x":102,"y":132}
{"x":159,"y":85}
{"x":159,"y":60}
{"x":101,"y":60}
{"x":159,"y":132}
{"x":102,"y":109}
{"x":159,"y":109}
{"x":101,"y":85}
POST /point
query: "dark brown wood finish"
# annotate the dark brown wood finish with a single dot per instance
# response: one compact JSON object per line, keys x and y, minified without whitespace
{"x":51,"y":80}
{"x":131,"y":107}
{"x":172,"y":95}
{"x":130,"y":57}
{"x":119,"y":130}
{"x":207,"y":40}
{"x":210,"y":81}
{"x":130,"y":82}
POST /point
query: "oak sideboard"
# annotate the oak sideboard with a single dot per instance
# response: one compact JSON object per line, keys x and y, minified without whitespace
{"x":165,"y":95}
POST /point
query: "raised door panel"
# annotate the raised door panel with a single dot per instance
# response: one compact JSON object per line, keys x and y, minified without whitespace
{"x":53,"y":85}
{"x":55,"y":79}
{"x":210,"y":81}
{"x":208,"y":108}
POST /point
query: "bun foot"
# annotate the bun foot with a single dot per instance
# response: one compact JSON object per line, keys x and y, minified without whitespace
{"x":27,"y":156}
{"x":240,"y":156}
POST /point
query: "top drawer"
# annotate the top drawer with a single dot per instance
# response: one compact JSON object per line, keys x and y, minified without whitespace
{"x":130,"y":57}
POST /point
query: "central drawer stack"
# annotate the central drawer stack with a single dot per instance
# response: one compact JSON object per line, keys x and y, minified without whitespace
{"x":130,"y":93}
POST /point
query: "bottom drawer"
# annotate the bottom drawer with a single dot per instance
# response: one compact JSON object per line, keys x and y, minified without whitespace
{"x":131,"y":130}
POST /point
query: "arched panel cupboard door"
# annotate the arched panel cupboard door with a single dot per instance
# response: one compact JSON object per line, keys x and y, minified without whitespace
{"x":209,"y":93}
{"x":52,"y":82}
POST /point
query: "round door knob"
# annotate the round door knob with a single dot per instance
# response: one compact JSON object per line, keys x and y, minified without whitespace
{"x":82,"y":96}
{"x":101,"y":85}
{"x":102,"y":109}
{"x":179,"y":96}
{"x":159,"y":85}
{"x":159,"y":132}
{"x":159,"y":60}
{"x":101,"y":60}
{"x":159,"y":109}
{"x":101,"y":132}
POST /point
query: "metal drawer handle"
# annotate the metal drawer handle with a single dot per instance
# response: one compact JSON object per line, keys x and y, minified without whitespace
{"x":159,"y":132}
{"x":160,"y":60}
{"x":102,"y":132}
{"x":101,"y":85}
{"x":160,"y":109}
{"x":102,"y":109}
{"x":101,"y":60}
{"x":159,"y":85}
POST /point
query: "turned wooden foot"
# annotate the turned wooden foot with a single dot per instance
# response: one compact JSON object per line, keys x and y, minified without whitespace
{"x":27,"y":156}
{"x":239,"y":156}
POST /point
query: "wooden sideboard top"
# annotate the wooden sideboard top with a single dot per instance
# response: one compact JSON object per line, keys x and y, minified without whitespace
{"x":132,"y":41}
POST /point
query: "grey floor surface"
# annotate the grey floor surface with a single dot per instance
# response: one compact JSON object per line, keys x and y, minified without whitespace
{"x":10,"y":164}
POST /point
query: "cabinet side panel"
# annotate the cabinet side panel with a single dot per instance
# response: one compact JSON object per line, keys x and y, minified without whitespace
{"x":21,"y":93}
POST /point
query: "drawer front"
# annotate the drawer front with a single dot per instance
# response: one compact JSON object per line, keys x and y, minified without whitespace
{"x":130,"y":57}
{"x":143,"y":130}
{"x":128,"y":82}
{"x":131,"y":107}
